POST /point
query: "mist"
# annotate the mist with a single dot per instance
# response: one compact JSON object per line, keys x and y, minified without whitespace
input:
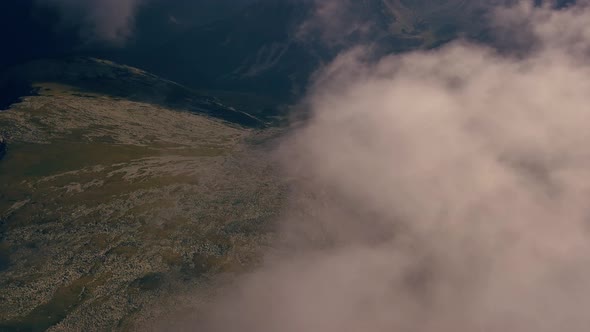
{"x":333,"y":22}
{"x":442,"y":190}
{"x":102,"y":20}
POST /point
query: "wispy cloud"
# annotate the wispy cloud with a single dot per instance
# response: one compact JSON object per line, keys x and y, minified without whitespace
{"x":334,"y":22}
{"x":436,"y":191}
{"x":104,"y":20}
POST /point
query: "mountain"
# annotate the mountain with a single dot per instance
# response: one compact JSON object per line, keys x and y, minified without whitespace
{"x":106,"y":77}
{"x":32,"y":29}
{"x":28,"y":32}
{"x":265,"y":47}
{"x":272,"y":47}
{"x":115,"y":197}
{"x":253,"y":50}
{"x":135,"y":176}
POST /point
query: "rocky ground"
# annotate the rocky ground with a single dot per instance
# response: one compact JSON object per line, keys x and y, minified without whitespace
{"x":110,"y":206}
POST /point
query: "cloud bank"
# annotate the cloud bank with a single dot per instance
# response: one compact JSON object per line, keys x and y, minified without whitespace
{"x":104,"y":20}
{"x":436,"y":191}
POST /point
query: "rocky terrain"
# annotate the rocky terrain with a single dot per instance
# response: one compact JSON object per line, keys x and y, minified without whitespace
{"x":111,"y":204}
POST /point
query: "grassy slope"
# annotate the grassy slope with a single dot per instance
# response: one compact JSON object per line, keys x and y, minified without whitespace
{"x":107,"y":204}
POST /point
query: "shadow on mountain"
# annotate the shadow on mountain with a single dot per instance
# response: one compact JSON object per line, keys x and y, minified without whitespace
{"x":119,"y":81}
{"x":12,"y":90}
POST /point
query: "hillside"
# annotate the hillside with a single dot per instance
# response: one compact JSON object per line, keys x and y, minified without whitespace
{"x":262,"y":48}
{"x":265,"y":47}
{"x":111,"y":202}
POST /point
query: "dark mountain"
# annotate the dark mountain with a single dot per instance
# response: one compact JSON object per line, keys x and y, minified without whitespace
{"x":33,"y":29}
{"x":271,"y":47}
{"x":265,"y":47}
{"x":255,"y":49}
{"x":28,"y":32}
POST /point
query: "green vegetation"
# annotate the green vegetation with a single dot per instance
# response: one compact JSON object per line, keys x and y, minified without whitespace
{"x":109,"y":205}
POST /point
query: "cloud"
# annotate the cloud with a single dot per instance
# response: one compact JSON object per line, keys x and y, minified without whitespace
{"x":104,"y":20}
{"x":336,"y":22}
{"x":436,"y":191}
{"x":391,"y":24}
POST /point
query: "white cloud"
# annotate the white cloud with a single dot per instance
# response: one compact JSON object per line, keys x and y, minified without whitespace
{"x":437,"y":191}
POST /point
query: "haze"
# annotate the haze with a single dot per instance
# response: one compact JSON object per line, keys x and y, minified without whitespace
{"x":441,"y":190}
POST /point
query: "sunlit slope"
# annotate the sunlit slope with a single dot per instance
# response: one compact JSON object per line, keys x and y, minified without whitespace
{"x":108,"y":204}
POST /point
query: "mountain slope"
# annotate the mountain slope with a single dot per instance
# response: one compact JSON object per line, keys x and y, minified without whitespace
{"x":110,"y":203}
{"x":266,"y":48}
{"x":106,"y":77}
